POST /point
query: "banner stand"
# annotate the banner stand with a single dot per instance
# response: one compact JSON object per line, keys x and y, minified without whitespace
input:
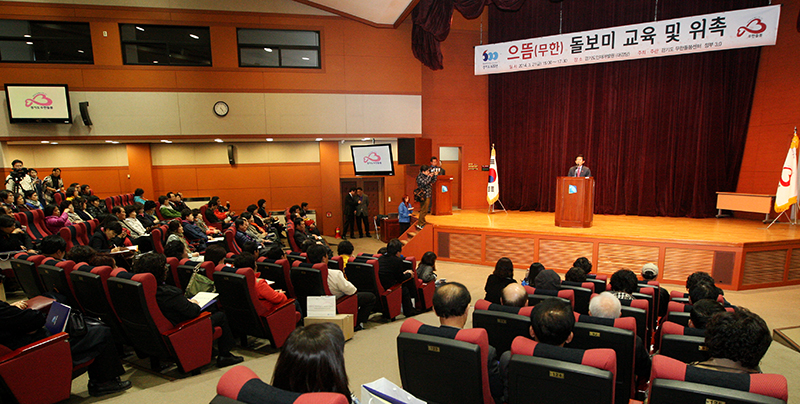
{"x":792,"y":217}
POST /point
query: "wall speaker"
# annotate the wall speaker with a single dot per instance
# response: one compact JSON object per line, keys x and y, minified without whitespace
{"x":84,"y":106}
{"x":406,"y":151}
{"x":232,"y":154}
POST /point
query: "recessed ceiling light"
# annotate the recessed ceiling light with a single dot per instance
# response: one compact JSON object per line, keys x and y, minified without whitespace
{"x":268,"y":49}
{"x":365,"y":139}
{"x":140,"y":28}
{"x":27,"y":36}
{"x":269,"y":139}
{"x":319,"y":139}
{"x":53,"y":142}
{"x":218,"y":140}
{"x":45,"y":141}
{"x":305,"y":58}
{"x":165,"y":141}
{"x":29,"y":43}
{"x":193,"y":36}
{"x":109,"y":141}
{"x":115,"y":142}
{"x":81,"y":51}
{"x":155,"y":61}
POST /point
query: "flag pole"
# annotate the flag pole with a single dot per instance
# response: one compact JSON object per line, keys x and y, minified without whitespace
{"x":492,"y":171}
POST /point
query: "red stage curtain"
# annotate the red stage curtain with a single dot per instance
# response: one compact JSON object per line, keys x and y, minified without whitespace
{"x":660,"y":135}
{"x":432,"y":24}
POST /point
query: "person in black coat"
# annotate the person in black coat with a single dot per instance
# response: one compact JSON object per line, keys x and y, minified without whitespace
{"x":105,"y":239}
{"x":177,"y":308}
{"x":502,"y":276}
{"x":13,"y":238}
{"x":349,"y":213}
{"x":391,"y":272}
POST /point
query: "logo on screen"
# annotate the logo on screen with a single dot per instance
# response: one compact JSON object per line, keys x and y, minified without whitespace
{"x":372,"y":158}
{"x":573,"y":189}
{"x":38,"y":101}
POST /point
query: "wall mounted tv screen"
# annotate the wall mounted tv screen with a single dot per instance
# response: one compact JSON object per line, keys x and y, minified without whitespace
{"x":38,"y":103}
{"x":374,"y":159}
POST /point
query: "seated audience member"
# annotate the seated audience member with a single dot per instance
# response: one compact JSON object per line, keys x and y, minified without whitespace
{"x":345,"y":251}
{"x":85,"y":190}
{"x":132,"y":223}
{"x":55,"y":219}
{"x":340,"y":286}
{"x":7,"y":198}
{"x":702,"y":311}
{"x":166,"y":209}
{"x":79,"y":206}
{"x":270,"y":297}
{"x":736,"y":342}
{"x":201,"y":224}
{"x":22,"y":326}
{"x":73,"y":192}
{"x":426,"y":270}
{"x":533,"y":271}
{"x":12,"y":238}
{"x":576,"y":275}
{"x":623,"y":284}
{"x":216,"y":254}
{"x":301,"y":235}
{"x":584,"y":264}
{"x":391,"y":272}
{"x":54,"y":247}
{"x":306,"y":244}
{"x":19,"y":202}
{"x":175,"y":232}
{"x":606,"y":305}
{"x":69,"y":207}
{"x":177,"y":308}
{"x":81,"y":253}
{"x":696,"y":278}
{"x":270,"y":220}
{"x":548,"y":280}
{"x":241,"y":237}
{"x":190,"y":229}
{"x":650,"y":273}
{"x":93,"y":207}
{"x":138,"y":196}
{"x":514,"y":295}
{"x":253,"y":230}
{"x":503,"y":275}
{"x":222,"y":213}
{"x":259,"y":221}
{"x":312,"y":360}
{"x":32,"y":200}
{"x":105,"y":238}
{"x":148,"y":217}
{"x":177,"y":201}
{"x":176,"y":249}
{"x":552,"y":322}
{"x":101,"y":260}
{"x":451,"y":305}
{"x":276,"y":253}
{"x":703,"y":290}
{"x":311,"y":226}
{"x":250,"y":247}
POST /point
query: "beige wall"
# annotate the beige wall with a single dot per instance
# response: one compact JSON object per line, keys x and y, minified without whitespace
{"x":263,"y":6}
{"x":191,"y":154}
{"x":48,"y":156}
{"x":186,"y":114}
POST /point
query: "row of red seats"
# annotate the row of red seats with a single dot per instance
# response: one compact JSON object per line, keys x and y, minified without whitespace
{"x":119,"y":200}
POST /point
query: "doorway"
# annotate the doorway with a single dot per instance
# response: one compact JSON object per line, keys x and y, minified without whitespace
{"x":450,"y":157}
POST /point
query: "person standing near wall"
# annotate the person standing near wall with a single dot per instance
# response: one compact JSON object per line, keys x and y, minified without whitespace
{"x":362,"y":212}
{"x":424,"y":181}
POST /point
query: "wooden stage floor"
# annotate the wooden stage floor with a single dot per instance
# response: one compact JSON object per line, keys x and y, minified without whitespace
{"x":740,"y":254}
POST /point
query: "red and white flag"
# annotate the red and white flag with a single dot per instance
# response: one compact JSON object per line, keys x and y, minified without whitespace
{"x":786,"y":196}
{"x":493,"y":188}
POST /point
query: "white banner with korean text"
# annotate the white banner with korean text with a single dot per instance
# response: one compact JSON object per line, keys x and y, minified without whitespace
{"x":680,"y":36}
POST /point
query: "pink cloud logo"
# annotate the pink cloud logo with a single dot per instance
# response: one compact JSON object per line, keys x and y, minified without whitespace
{"x":39,"y":99}
{"x":372,"y":157}
{"x":755,"y":26}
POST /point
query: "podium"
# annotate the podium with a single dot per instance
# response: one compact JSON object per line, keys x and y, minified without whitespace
{"x":574,"y":201}
{"x":442,"y":203}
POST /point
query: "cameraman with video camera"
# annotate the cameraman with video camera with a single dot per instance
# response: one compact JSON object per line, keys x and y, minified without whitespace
{"x":19,"y":180}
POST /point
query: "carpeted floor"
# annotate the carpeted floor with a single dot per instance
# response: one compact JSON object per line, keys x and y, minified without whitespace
{"x":371,"y":354}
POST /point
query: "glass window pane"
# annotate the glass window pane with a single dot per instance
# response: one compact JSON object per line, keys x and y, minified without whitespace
{"x":171,"y":45}
{"x":278,"y":37}
{"x":45,"y":42}
{"x":299,"y":58}
{"x":255,"y":57}
{"x":15,"y":51}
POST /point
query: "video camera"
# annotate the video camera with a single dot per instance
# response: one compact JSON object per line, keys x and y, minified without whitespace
{"x":17,"y":174}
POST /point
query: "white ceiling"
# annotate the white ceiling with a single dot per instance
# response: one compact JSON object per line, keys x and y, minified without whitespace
{"x":372,"y":12}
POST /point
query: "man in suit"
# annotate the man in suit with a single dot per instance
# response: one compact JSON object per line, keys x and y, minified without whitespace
{"x":579,"y":170}
{"x":349,"y":213}
{"x":362,"y":212}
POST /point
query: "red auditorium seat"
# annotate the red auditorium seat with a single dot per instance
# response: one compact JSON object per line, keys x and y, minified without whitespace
{"x":502,"y":323}
{"x":277,"y":271}
{"x":312,"y":280}
{"x":240,"y":384}
{"x":39,"y":373}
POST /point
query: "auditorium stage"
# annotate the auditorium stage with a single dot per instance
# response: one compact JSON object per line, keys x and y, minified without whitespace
{"x":740,"y":254}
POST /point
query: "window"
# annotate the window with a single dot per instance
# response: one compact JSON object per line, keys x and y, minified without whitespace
{"x":45,"y":42}
{"x":278,"y":48}
{"x":165,"y":45}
